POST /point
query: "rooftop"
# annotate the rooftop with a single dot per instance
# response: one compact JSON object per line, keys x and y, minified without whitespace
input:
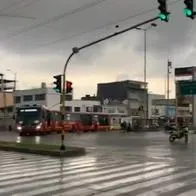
{"x":126,"y":81}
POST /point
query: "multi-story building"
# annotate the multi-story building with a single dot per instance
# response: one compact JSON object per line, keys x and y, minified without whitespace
{"x":41,"y":96}
{"x":6,"y":95}
{"x":132,"y":93}
{"x":83,"y":106}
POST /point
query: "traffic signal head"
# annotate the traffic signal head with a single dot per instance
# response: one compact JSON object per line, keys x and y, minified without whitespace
{"x":188,"y":10}
{"x":164,"y":14}
{"x":57,"y":83}
{"x":69,"y":87}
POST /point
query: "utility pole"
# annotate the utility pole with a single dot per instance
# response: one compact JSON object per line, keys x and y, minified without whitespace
{"x":169,"y":66}
{"x":3,"y":94}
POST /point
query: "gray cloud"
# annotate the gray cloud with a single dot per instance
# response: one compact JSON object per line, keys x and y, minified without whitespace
{"x":34,"y":49}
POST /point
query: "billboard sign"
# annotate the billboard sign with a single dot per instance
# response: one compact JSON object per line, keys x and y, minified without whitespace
{"x":184,"y":93}
{"x":184,"y":71}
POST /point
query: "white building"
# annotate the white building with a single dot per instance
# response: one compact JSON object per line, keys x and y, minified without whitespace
{"x":42,"y":96}
{"x":83,"y":106}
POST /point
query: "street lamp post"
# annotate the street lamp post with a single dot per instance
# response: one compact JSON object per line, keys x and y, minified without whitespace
{"x":145,"y":58}
{"x":145,"y":45}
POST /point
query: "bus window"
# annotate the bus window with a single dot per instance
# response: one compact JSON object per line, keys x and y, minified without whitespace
{"x":103,"y":120}
{"x":86,"y":119}
{"x":28,"y":115}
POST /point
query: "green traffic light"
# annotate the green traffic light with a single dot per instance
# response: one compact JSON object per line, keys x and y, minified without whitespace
{"x":57,"y":90}
{"x":188,"y":12}
{"x":163,"y":16}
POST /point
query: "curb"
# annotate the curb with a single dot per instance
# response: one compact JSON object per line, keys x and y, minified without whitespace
{"x":76,"y":151}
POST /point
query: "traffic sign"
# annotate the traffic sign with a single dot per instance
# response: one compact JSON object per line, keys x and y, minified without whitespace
{"x":188,"y":88}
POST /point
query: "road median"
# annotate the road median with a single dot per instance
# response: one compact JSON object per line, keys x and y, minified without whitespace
{"x":42,"y":149}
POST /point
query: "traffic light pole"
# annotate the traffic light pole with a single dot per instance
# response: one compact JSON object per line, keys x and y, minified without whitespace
{"x":63,"y":99}
{"x":77,"y":49}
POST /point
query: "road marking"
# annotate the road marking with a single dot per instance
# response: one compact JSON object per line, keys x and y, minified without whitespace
{"x":147,"y":183}
{"x":92,"y":179}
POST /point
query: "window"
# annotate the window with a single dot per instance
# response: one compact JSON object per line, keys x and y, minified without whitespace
{"x":27,"y":98}
{"x":68,"y":109}
{"x":17,"y":99}
{"x":77,"y":109}
{"x":97,"y":108}
{"x":40,"y":97}
{"x":89,"y":109}
{"x":28,"y":115}
{"x":103,"y":120}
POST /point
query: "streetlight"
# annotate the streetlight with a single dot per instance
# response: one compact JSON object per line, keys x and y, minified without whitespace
{"x":14,"y":78}
{"x":145,"y":51}
{"x":145,"y":44}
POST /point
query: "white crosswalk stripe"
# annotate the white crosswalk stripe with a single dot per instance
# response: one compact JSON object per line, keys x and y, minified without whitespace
{"x":85,"y":176}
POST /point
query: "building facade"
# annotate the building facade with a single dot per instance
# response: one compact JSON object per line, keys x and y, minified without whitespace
{"x":132,"y":93}
{"x":186,"y":94}
{"x":163,"y":108}
{"x":6,"y":96}
{"x":83,"y":106}
{"x":41,"y":96}
{"x":152,"y":111}
{"x":6,"y":104}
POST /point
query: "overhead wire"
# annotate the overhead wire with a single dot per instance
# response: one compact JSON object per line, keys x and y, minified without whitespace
{"x":3,"y":14}
{"x":30,"y":3}
{"x":11,"y":5}
{"x":103,"y":26}
{"x":81,"y":8}
{"x":56,"y":18}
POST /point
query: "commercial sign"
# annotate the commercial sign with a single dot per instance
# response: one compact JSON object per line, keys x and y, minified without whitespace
{"x":183,"y":93}
{"x":171,"y":111}
{"x":187,"y":87}
{"x":184,"y":71}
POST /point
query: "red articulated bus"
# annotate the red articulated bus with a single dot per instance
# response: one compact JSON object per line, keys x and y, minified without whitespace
{"x":80,"y":122}
{"x":84,"y":122}
{"x":103,"y":121}
{"x":38,"y":120}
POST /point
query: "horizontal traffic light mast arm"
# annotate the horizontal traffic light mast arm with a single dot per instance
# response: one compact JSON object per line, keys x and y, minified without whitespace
{"x":117,"y":33}
{"x":77,"y":49}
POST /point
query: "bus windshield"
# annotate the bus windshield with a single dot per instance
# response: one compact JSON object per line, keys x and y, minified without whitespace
{"x":29,"y":116}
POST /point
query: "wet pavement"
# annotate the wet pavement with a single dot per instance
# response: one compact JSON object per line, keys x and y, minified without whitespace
{"x":143,"y":164}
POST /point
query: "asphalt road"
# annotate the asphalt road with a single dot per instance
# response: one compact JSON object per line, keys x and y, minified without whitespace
{"x":117,"y":163}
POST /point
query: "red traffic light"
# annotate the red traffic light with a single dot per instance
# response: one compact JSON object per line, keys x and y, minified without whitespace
{"x":69,"y":87}
{"x":68,"y":84}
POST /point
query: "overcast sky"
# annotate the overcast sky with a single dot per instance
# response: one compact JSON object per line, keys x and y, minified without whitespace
{"x":36,"y":37}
